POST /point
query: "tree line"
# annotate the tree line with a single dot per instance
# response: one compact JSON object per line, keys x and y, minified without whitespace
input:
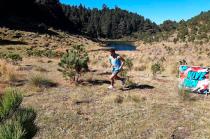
{"x":108,"y":23}
{"x":100,"y":23}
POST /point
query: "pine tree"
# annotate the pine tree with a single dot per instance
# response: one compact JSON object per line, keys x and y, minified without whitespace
{"x":74,"y":62}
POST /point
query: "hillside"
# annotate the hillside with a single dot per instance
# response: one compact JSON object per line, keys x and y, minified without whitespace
{"x":89,"y":110}
{"x":38,"y":15}
{"x":33,"y":15}
{"x":194,"y":30}
{"x":150,"y":106}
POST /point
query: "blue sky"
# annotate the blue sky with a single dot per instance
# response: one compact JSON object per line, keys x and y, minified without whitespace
{"x":156,"y":10}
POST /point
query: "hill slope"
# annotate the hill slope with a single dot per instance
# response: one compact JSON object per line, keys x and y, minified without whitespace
{"x":105,"y":23}
{"x":196,"y":29}
{"x":150,"y":108}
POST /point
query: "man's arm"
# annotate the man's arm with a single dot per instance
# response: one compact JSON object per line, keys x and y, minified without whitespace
{"x":122,"y":62}
{"x":110,"y":62}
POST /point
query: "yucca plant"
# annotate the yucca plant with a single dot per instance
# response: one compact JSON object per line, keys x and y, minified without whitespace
{"x":9,"y":102}
{"x":74,"y":62}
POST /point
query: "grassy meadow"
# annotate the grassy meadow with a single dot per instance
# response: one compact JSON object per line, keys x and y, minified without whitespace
{"x":150,"y":108}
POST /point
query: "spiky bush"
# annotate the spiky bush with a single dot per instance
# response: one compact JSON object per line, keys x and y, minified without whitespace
{"x":74,"y":62}
{"x":26,"y":118}
{"x":9,"y":102}
{"x":11,"y":130}
{"x":15,"y":122}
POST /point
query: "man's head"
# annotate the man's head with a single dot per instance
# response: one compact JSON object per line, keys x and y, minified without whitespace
{"x":112,"y":51}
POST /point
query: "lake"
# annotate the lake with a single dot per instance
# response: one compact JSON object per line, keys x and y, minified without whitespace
{"x":121,"y":45}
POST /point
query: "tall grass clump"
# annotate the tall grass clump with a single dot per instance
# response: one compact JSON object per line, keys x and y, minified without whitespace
{"x":41,"y":81}
{"x":7,"y":72}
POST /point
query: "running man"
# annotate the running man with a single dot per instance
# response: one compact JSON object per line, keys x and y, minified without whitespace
{"x":116,"y":63}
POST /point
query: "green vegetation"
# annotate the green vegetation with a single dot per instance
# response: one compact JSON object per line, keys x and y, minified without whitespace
{"x":103,"y":23}
{"x":128,"y":65}
{"x":108,"y":23}
{"x":11,"y":130}
{"x":11,"y":57}
{"x":43,"y":53}
{"x":74,"y":62}
{"x":156,"y":68}
{"x":195,"y":29}
{"x":16,"y":122}
{"x":11,"y":100}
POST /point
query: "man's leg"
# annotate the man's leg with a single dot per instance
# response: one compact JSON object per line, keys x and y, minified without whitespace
{"x":112,"y":80}
{"x":113,"y":77}
{"x":120,"y":78}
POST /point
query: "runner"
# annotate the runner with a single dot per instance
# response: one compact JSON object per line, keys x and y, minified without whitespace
{"x":117,"y":63}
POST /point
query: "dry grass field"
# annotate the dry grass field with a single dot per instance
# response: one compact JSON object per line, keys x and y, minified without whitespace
{"x":150,"y":108}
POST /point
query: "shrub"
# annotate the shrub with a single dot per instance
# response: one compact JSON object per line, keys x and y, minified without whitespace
{"x":11,"y":57}
{"x":10,"y":101}
{"x":183,"y":62}
{"x":16,"y":122}
{"x":43,"y":53}
{"x":156,"y":68}
{"x":41,"y":81}
{"x":14,"y":57}
{"x":127,"y":67}
{"x":129,"y":63}
{"x":26,"y":117}
{"x":74,"y":62}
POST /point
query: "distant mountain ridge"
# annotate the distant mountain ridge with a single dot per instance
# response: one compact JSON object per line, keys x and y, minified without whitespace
{"x":196,"y":30}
